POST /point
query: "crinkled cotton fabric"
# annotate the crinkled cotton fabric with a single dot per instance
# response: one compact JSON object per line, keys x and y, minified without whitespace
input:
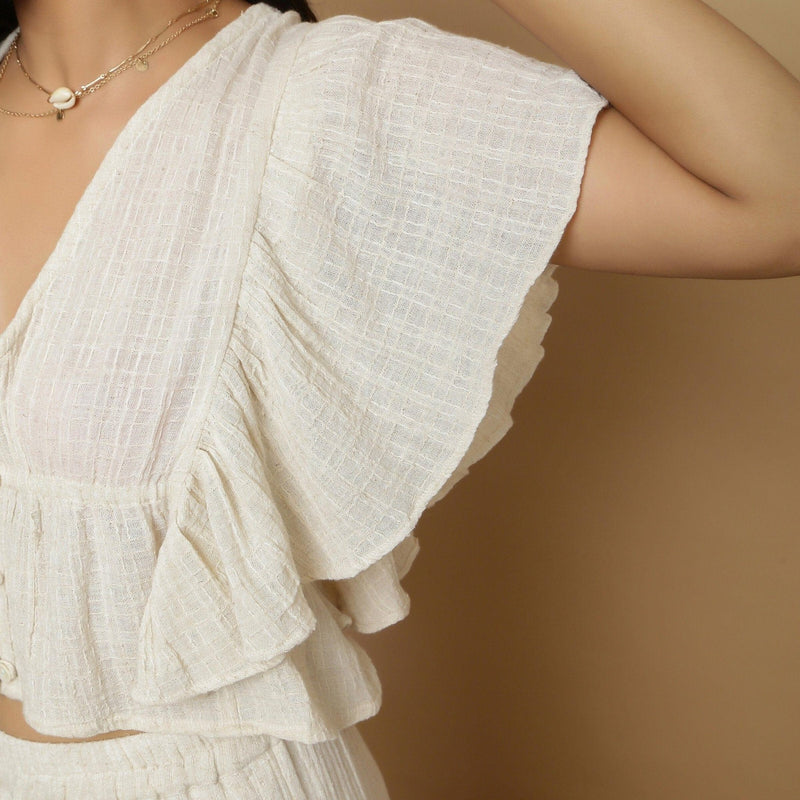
{"x":294,"y":305}
{"x":175,"y":766}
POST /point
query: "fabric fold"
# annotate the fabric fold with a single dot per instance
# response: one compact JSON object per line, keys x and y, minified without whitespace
{"x":226,"y":601}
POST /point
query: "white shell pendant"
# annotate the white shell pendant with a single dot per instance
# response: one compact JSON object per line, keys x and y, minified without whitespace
{"x":62,"y":99}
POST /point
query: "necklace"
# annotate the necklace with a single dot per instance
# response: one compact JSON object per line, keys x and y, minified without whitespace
{"x":64,"y":98}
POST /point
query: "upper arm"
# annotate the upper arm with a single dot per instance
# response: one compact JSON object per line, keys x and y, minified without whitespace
{"x":641,"y":212}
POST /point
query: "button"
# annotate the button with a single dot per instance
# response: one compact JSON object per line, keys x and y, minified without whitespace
{"x":7,"y":671}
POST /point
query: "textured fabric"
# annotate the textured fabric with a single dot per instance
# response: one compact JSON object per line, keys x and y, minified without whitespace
{"x":293,"y":306}
{"x":174,"y":766}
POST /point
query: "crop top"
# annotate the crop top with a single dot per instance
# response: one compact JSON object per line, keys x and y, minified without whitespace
{"x":294,"y":304}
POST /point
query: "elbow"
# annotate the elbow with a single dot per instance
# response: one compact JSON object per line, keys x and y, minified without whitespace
{"x":780,"y":240}
{"x":792,"y":251}
{"x":787,"y":255}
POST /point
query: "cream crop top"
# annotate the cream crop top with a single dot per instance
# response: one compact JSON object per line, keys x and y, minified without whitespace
{"x":295,"y":303}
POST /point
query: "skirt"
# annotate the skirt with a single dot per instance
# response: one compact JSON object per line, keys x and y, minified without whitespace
{"x":169,"y":766}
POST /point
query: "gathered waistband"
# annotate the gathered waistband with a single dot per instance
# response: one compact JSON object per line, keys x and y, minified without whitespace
{"x":164,"y":760}
{"x":190,"y":767}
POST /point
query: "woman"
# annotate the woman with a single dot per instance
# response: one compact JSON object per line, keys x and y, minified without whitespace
{"x":269,"y":288}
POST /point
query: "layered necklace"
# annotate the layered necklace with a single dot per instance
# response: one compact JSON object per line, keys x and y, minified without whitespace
{"x":64,"y":98}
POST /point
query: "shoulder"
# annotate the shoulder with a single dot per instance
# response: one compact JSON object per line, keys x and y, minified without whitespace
{"x":346,"y":42}
{"x":416,"y":62}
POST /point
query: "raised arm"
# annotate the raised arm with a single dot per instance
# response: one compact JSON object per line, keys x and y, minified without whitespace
{"x":695,"y":170}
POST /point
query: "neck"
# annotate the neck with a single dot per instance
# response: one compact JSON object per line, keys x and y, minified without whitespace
{"x":70,"y":42}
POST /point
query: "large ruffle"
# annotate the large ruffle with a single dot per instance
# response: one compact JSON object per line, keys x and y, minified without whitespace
{"x":248,"y":582}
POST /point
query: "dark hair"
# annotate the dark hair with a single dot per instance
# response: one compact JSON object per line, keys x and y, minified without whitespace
{"x":8,"y":17}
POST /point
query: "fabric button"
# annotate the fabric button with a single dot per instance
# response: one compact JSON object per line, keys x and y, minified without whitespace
{"x":7,"y":671}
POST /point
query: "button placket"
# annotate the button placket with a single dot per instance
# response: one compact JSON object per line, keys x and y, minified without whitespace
{"x":7,"y":671}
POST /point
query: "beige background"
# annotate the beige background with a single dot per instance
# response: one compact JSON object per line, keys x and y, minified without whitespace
{"x":608,"y":607}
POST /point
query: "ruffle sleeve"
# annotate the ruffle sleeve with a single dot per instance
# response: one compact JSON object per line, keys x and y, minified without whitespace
{"x":391,"y":309}
{"x":418,"y":184}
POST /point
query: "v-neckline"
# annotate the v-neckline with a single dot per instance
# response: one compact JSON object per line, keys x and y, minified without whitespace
{"x":207,"y":52}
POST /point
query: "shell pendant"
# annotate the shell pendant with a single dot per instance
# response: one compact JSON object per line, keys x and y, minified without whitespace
{"x":62,"y":99}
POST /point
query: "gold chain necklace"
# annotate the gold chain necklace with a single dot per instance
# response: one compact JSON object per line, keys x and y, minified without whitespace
{"x":65,"y":98}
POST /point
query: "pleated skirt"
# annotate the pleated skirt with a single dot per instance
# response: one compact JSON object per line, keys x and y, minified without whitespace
{"x":168,"y":766}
